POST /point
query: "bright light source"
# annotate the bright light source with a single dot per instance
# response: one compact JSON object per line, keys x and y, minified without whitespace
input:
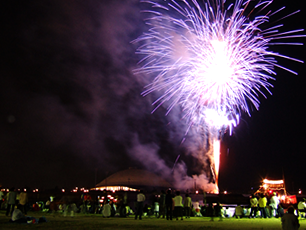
{"x":265,"y":186}
{"x":266,"y":181}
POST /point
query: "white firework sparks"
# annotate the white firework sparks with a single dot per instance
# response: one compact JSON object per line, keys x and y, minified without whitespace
{"x":213,"y":61}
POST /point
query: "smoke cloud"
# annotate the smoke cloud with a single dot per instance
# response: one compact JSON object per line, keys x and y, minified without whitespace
{"x":71,"y":104}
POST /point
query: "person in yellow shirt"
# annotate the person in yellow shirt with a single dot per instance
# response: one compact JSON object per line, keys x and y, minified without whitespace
{"x":262,"y":203}
{"x":178,"y":205}
{"x":187,"y":205}
{"x":254,"y":206}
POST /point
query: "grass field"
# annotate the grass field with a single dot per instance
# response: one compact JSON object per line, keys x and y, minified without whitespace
{"x":82,"y":221}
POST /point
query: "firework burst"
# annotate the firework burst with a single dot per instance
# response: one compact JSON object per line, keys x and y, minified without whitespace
{"x":214,"y":60}
{"x":211,"y":59}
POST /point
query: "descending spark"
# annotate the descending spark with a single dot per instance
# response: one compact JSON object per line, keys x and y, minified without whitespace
{"x":175,"y":162}
{"x":211,"y":58}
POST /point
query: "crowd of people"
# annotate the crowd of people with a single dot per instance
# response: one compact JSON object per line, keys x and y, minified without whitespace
{"x":16,"y":206}
{"x":168,"y":204}
{"x":14,"y":199}
{"x":171,"y":206}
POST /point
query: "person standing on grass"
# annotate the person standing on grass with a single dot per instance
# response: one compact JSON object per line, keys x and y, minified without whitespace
{"x":169,"y":205}
{"x":1,"y":197}
{"x":238,"y":211}
{"x":178,"y":205}
{"x":139,"y":206}
{"x":274,"y":202}
{"x":11,"y":201}
{"x":290,"y":221}
{"x":187,"y":205}
{"x":210,"y":212}
{"x":107,"y":210}
{"x":254,"y":206}
{"x":23,"y":201}
{"x":218,"y":211}
{"x":262,"y":205}
{"x":162,"y":204}
{"x":302,"y":208}
{"x":280,"y":211}
{"x":156,"y":209}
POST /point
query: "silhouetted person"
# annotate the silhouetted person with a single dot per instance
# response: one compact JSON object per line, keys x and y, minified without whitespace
{"x":187,"y":205}
{"x":11,"y":201}
{"x":290,"y":221}
{"x":218,"y":212}
{"x":280,"y":210}
{"x":162,"y":204}
{"x":169,"y":205}
{"x":1,"y":197}
{"x":210,"y":211}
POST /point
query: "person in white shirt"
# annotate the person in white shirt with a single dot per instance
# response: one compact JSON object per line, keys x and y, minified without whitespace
{"x":274,"y":202}
{"x":107,"y":209}
{"x":139,"y":206}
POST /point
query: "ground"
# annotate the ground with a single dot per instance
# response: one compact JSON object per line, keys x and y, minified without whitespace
{"x":82,"y":221}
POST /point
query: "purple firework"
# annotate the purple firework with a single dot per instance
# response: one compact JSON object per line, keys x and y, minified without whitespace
{"x":211,"y":57}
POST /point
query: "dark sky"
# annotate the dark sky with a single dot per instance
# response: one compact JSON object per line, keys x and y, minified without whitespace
{"x":71,"y":110}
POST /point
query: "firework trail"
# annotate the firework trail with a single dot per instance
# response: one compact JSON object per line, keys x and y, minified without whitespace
{"x":212,"y":58}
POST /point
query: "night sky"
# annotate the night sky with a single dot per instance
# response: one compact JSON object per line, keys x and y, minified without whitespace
{"x":71,"y":112}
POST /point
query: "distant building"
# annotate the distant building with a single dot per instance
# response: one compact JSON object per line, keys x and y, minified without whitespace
{"x":133,"y":180}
